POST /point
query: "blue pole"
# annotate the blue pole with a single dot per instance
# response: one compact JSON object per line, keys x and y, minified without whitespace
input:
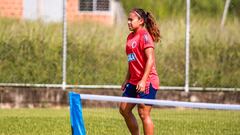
{"x":76,"y":117}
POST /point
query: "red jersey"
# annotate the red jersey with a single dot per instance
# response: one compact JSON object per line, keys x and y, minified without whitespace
{"x":135,"y":48}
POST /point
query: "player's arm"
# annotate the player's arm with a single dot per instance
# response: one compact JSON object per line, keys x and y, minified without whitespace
{"x":149,"y":52}
{"x":126,"y":79}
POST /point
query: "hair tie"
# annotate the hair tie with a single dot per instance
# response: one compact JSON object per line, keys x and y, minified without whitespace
{"x":147,"y":14}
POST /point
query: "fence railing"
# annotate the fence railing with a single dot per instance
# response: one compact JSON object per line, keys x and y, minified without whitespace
{"x":177,"y":88}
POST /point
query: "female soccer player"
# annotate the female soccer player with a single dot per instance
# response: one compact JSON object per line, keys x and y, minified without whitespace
{"x":142,"y":79}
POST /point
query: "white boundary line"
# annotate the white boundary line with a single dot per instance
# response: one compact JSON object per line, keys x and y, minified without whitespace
{"x":161,"y":102}
{"x":180,"y":88}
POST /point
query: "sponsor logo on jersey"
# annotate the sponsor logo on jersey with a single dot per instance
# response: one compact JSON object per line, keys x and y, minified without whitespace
{"x":131,"y":57}
{"x":145,"y":37}
{"x":134,"y":44}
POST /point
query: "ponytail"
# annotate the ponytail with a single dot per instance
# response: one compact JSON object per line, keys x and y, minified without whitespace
{"x":152,"y":28}
{"x":150,"y":23}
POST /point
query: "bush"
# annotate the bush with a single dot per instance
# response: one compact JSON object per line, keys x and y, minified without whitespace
{"x":31,"y":52}
{"x":165,"y":9}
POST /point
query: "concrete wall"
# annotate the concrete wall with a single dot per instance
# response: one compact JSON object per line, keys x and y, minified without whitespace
{"x":74,"y":14}
{"x":11,"y":8}
{"x":28,"y":97}
{"x":46,"y":10}
{"x":51,"y":10}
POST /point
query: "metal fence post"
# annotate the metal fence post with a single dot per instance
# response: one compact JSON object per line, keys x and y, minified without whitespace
{"x":187,"y":61}
{"x":225,"y":12}
{"x":64,"y":67}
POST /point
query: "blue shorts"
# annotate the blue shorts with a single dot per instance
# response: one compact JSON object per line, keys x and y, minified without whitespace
{"x":130,"y":91}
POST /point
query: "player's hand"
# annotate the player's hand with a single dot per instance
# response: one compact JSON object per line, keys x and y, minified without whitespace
{"x":123,"y":85}
{"x":141,"y":86}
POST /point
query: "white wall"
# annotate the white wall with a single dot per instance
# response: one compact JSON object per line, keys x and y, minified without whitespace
{"x":46,"y":10}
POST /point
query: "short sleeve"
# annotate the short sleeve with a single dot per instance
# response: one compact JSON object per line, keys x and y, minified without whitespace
{"x":146,"y":41}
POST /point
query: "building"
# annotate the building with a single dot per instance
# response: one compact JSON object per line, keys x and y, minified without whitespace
{"x":103,"y":11}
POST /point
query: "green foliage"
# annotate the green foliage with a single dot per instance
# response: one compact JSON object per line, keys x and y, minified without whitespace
{"x":104,"y":121}
{"x":215,"y":55}
{"x":234,"y":7}
{"x":164,"y":9}
{"x":31,"y":52}
{"x":160,"y":8}
{"x":96,"y":54}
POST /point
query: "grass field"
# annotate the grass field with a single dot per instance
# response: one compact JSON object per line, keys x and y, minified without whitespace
{"x":106,"y":121}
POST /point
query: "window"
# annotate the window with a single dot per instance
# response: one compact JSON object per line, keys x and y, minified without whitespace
{"x":86,"y":5}
{"x":94,"y":5}
{"x":103,"y":5}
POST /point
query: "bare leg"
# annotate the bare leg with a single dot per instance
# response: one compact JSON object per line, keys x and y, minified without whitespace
{"x":126,"y":111}
{"x":144,"y":113}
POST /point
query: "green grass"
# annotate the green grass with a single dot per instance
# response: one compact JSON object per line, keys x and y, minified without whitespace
{"x":105,"y":121}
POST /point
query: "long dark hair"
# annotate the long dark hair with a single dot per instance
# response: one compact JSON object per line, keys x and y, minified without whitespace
{"x":149,"y":22}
